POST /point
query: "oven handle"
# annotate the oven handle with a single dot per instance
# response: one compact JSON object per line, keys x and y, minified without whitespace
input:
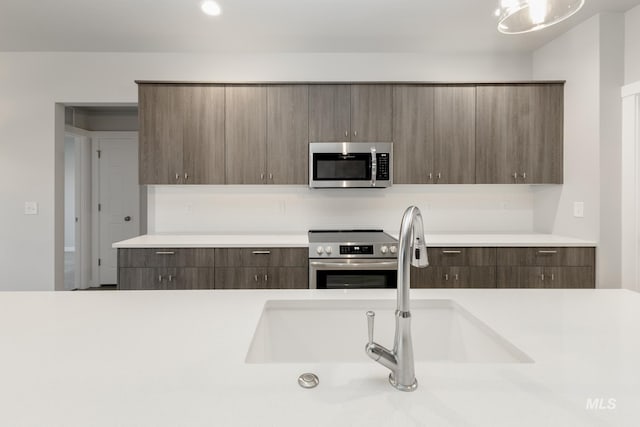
{"x":376,"y":265}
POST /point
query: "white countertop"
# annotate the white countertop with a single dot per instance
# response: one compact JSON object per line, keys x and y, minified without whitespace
{"x":176,"y":358}
{"x":301,"y":240}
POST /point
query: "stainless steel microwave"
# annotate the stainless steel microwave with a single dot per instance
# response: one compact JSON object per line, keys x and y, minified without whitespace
{"x":350,"y":164}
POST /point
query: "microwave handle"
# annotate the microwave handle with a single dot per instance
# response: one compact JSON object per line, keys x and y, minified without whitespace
{"x":374,"y":166}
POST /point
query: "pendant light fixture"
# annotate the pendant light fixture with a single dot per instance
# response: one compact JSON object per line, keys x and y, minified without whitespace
{"x":523,"y":16}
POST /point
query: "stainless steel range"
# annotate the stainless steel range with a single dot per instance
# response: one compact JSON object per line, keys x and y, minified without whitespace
{"x":348,"y":259}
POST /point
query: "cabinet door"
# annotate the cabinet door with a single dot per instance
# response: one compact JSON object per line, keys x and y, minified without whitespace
{"x":240,"y":278}
{"x":412,"y":134}
{"x":191,"y":278}
{"x":520,"y":277}
{"x":138,"y":279}
{"x":203,"y":134}
{"x":502,"y":114}
{"x":454,"y":151}
{"x":545,"y":152}
{"x":288,"y":134}
{"x":245,"y":134}
{"x":371,"y":113}
{"x":569,"y":277}
{"x":161,"y":112}
{"x":287,"y":278}
{"x":423,"y":277}
{"x":329,"y":113}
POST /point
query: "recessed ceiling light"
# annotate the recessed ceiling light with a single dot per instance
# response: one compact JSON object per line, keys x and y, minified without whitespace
{"x":211,"y":8}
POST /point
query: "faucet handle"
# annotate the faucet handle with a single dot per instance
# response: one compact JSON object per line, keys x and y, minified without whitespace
{"x":370,"y":318}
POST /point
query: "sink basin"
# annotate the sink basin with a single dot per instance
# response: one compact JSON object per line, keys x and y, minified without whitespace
{"x":335,"y":331}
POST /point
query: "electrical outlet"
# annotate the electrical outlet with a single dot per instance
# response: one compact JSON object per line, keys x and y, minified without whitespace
{"x":578,"y":209}
{"x":31,"y":208}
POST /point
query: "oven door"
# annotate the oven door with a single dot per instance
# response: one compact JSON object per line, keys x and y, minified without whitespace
{"x":353,"y":273}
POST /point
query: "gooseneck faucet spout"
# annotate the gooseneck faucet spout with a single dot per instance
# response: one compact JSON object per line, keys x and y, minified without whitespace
{"x":412,"y":251}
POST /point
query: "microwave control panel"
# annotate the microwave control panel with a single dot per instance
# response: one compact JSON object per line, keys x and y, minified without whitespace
{"x":383,"y":166}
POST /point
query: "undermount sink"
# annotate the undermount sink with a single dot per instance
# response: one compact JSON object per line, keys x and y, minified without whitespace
{"x":334,"y":331}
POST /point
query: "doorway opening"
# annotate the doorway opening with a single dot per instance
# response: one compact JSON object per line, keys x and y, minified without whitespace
{"x":103,"y":202}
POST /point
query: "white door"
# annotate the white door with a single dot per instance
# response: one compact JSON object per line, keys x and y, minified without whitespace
{"x":119,"y":199}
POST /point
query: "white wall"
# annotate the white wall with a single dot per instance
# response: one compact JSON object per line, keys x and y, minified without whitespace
{"x":446,"y":208}
{"x":590,"y":58}
{"x":31,"y":84}
{"x":632,"y":46}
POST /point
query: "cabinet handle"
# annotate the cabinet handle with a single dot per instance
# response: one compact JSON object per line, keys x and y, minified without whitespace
{"x":547,"y":252}
{"x":261,"y":252}
{"x":262,"y":177}
{"x":271,"y":176}
{"x":170,"y":278}
{"x":438,"y":176}
{"x":177,"y":177}
{"x":542,"y":277}
{"x":430,"y":176}
{"x":451,"y":252}
{"x":446,"y":276}
{"x":346,"y":133}
{"x":255,"y":278}
{"x":355,"y":133}
{"x":165,"y":253}
{"x":553,"y":277}
{"x":266,"y":277}
{"x":456,"y":277}
{"x":160,"y":278}
{"x":186,"y":176}
{"x":524,"y":176}
{"x":515,"y":176}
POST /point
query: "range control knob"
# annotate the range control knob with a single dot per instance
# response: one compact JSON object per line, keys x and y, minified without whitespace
{"x":393,"y":249}
{"x":328,"y":249}
{"x":384,"y":249}
{"x":319,"y":250}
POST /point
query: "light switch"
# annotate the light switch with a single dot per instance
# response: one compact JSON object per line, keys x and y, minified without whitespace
{"x":578,"y":209}
{"x":31,"y":208}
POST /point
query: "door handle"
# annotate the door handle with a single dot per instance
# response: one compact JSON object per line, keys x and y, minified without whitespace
{"x":127,"y":218}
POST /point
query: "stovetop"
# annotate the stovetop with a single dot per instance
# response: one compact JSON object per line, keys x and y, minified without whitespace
{"x":350,"y":236}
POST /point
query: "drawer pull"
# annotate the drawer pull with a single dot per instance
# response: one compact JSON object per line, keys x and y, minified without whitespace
{"x":165,"y":253}
{"x":261,"y":252}
{"x":547,"y":252}
{"x":451,"y":252}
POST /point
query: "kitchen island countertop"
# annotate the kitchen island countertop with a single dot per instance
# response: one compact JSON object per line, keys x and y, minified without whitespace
{"x":177,"y":358}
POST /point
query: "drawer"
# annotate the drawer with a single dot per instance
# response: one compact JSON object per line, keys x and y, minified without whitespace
{"x":262,"y":257}
{"x":461,"y":256}
{"x":576,"y":257}
{"x":166,"y":257}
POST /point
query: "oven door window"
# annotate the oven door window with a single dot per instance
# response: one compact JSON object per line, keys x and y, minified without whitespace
{"x":340,"y":279}
{"x":340,"y":167}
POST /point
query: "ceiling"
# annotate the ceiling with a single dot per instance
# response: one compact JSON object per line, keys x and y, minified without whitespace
{"x":270,"y":26}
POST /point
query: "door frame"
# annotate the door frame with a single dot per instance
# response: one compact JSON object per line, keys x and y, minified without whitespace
{"x":96,"y":137}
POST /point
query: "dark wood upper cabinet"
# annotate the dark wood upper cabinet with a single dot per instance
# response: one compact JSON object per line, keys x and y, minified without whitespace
{"x":454,"y":154}
{"x":359,"y":112}
{"x":287,"y":134}
{"x":246,"y":134}
{"x":519,"y":134}
{"x":371,"y":113}
{"x":413,"y":134}
{"x":181,"y":134}
{"x":329,"y":113}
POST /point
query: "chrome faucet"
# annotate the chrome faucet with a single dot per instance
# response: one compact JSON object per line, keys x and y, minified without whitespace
{"x":412,"y":251}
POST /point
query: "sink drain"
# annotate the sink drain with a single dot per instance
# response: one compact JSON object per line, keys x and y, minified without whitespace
{"x":308,"y":380}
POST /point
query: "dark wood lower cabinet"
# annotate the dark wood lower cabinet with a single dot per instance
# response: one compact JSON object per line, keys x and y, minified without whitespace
{"x":262,"y":278}
{"x":546,"y":277}
{"x":165,"y":278}
{"x":453,"y":277}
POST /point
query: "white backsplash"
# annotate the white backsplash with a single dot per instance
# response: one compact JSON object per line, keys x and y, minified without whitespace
{"x":295,"y":209}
